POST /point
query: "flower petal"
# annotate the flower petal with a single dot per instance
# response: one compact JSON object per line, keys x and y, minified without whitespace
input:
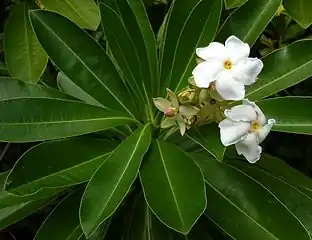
{"x":168,"y":122}
{"x":260,"y":115}
{"x":241,"y":113}
{"x":232,"y":132}
{"x":162,"y":104}
{"x":236,"y":49}
{"x":228,"y":88}
{"x":247,"y":70}
{"x":188,"y":111}
{"x":265,"y":130}
{"x":249,"y":148}
{"x":206,"y":72}
{"x":214,"y":51}
{"x":172,"y":98}
{"x":181,"y":124}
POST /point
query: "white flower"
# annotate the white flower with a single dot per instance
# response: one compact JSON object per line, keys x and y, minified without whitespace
{"x":228,"y":67}
{"x":246,"y":127}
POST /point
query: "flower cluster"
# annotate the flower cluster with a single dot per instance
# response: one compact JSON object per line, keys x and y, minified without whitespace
{"x":220,"y":78}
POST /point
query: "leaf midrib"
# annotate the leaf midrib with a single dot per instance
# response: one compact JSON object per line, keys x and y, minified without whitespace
{"x":240,"y":210}
{"x":84,"y":64}
{"x":169,"y":183}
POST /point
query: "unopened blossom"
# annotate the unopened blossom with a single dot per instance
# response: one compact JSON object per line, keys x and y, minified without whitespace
{"x":175,"y":112}
{"x":246,"y":127}
{"x":227,"y":68}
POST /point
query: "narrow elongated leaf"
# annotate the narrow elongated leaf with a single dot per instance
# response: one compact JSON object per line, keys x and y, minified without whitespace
{"x":229,"y":4}
{"x":135,"y":20}
{"x":33,"y":119}
{"x":290,"y":113}
{"x":282,"y":170}
{"x":25,"y":58}
{"x":113,"y":179}
{"x":66,"y":162}
{"x":208,"y":137}
{"x":300,"y":10}
{"x":69,"y":87}
{"x":84,"y":13}
{"x":64,"y":217}
{"x":191,"y":24}
{"x":248,"y":29}
{"x":296,"y":201}
{"x":234,"y":197}
{"x":125,"y":53}
{"x":81,"y":59}
{"x":173,"y":186}
{"x":13,"y":208}
{"x":283,"y":68}
{"x":12,"y":88}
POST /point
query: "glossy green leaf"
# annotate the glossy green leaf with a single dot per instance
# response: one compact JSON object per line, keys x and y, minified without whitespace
{"x":25,"y":58}
{"x":13,"y":88}
{"x":13,"y":208}
{"x":69,"y":87}
{"x":208,"y":137}
{"x":290,"y":113}
{"x":248,"y":29}
{"x":125,"y":53}
{"x":141,"y":224}
{"x":282,"y":170}
{"x":283,"y":68}
{"x":296,"y":201}
{"x":64,"y":218}
{"x":135,"y":20}
{"x":236,"y":198}
{"x":300,"y":11}
{"x":229,"y":4}
{"x":33,"y":119}
{"x":81,"y":59}
{"x":191,"y":24}
{"x":84,"y":13}
{"x":113,"y":179}
{"x":173,"y":186}
{"x":66,"y":162}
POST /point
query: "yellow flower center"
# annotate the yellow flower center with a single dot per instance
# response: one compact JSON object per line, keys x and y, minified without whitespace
{"x":228,"y":64}
{"x":255,"y":126}
{"x":171,"y":111}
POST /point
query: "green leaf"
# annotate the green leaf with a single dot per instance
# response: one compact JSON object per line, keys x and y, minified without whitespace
{"x":4,"y":69}
{"x":248,"y":29}
{"x":208,"y":137}
{"x":13,"y":208}
{"x":33,"y":119}
{"x":296,"y":201}
{"x":229,"y":4}
{"x":173,"y":186}
{"x":113,"y":179}
{"x":126,"y":54}
{"x":25,"y":58}
{"x":84,"y":13}
{"x":137,"y":26}
{"x":89,"y":66}
{"x":237,"y":202}
{"x":191,"y":24}
{"x":64,"y":218}
{"x":283,"y":68}
{"x":283,"y":171}
{"x":66,"y":162}
{"x":69,"y":87}
{"x":290,"y":113}
{"x":13,"y":88}
{"x":300,"y":11}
